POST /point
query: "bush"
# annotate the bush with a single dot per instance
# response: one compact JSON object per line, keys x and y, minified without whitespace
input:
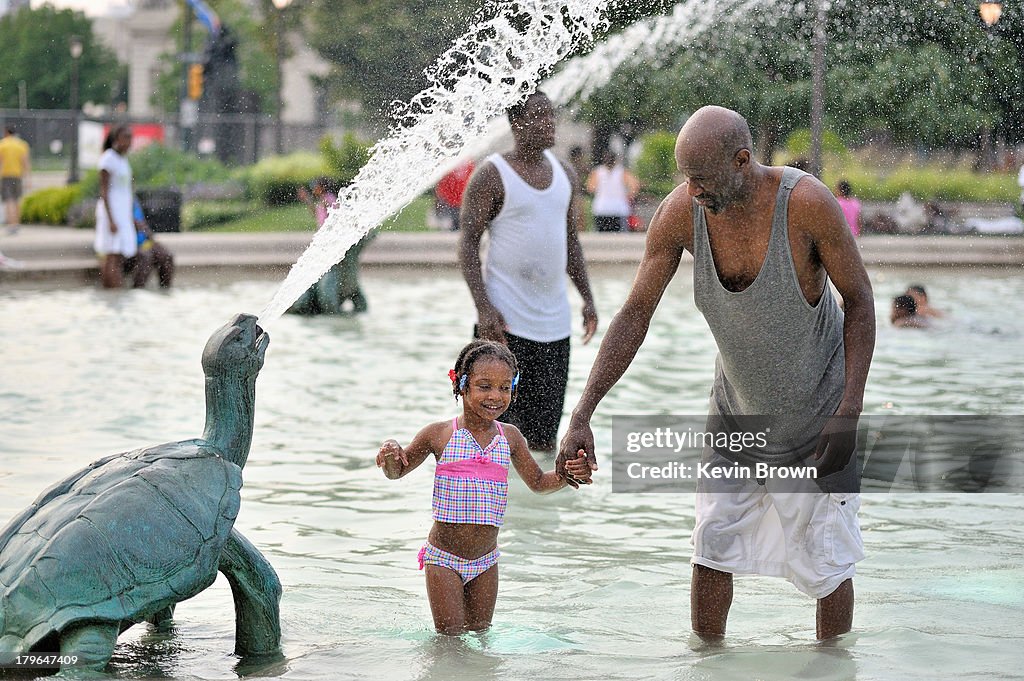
{"x":273,"y":181}
{"x":798,"y":144}
{"x":927,"y":184}
{"x":82,"y":214}
{"x":50,"y":206}
{"x":158,"y":166}
{"x":656,"y":164}
{"x":345,"y":160}
{"x":206,"y":214}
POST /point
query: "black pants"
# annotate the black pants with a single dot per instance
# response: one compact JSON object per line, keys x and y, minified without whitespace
{"x":609,"y":223}
{"x":540,"y":395}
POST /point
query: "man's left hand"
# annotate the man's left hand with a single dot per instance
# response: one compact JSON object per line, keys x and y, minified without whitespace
{"x":837,"y":442}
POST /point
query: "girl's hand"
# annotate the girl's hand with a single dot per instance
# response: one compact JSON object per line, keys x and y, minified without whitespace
{"x":578,"y":469}
{"x":390,"y":449}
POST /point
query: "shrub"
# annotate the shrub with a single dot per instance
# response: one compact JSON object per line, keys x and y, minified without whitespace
{"x":273,"y":181}
{"x":82,"y":213}
{"x":205,"y":214}
{"x":798,"y":144}
{"x":158,"y":166}
{"x":927,"y":183}
{"x":50,"y":206}
{"x":347,"y":159}
{"x":656,"y":164}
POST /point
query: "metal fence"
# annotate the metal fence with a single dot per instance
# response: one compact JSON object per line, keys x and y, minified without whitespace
{"x":236,"y":139}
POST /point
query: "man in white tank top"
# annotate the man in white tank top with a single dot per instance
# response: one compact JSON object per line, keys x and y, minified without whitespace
{"x":525,"y":201}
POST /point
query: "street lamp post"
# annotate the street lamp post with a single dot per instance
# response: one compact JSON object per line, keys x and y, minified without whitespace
{"x":818,"y":89}
{"x":75,"y":46}
{"x":990,"y":13}
{"x":281,"y":5}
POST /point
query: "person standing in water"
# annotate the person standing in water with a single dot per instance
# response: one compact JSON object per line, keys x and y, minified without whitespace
{"x":614,"y":189}
{"x":526,"y":201}
{"x":460,"y":557}
{"x":116,"y":239}
{"x":923,"y":306}
{"x":850,"y":205}
{"x":765,"y":242}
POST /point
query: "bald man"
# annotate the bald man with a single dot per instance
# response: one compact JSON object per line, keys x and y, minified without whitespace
{"x":765,"y":241}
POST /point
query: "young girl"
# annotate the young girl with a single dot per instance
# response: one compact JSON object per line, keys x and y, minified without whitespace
{"x":460,"y":558}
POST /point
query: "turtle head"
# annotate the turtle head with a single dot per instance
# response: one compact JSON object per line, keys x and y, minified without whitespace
{"x":237,"y":348}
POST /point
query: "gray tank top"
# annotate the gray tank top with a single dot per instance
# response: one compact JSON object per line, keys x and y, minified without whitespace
{"x":778,"y":356}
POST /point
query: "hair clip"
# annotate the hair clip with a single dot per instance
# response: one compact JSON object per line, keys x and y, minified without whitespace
{"x":462,"y":382}
{"x":515,"y":380}
{"x":452,"y":375}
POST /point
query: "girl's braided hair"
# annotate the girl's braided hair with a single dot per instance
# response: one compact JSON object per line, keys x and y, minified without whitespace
{"x":477,"y":350}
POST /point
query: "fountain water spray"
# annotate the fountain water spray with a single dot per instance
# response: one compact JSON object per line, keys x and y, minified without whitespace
{"x":490,"y":68}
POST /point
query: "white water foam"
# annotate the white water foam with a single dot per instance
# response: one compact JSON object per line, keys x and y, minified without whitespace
{"x":461,"y":114}
{"x":486,"y":71}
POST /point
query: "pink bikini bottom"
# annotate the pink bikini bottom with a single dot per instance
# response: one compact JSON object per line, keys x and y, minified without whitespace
{"x":466,"y":568}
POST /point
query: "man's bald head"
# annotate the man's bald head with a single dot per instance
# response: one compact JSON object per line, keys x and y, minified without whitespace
{"x":713,"y":133}
{"x":714,"y":153}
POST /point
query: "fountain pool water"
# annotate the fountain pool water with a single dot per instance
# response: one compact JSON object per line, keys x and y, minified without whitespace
{"x":594,"y":584}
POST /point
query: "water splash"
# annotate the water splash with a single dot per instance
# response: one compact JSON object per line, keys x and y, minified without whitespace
{"x":648,"y":41}
{"x":461,"y":113}
{"x":487,"y":70}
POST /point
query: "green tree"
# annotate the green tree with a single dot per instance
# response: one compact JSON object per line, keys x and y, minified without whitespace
{"x":928,"y":75}
{"x":379,"y":48}
{"x":345,"y":159}
{"x":36,"y":50}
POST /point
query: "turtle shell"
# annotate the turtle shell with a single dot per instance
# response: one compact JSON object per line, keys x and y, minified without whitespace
{"x":117,"y":541}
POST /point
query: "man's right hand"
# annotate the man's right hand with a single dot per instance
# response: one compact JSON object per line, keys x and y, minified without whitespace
{"x":490,"y":324}
{"x":578,"y":437}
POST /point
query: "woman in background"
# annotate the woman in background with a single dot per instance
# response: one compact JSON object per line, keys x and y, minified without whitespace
{"x":614,"y":188}
{"x":115,"y":223}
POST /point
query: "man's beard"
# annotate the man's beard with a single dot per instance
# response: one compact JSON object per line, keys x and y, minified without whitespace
{"x":712,"y":203}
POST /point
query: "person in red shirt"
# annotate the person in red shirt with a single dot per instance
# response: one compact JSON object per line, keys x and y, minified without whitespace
{"x":449,"y":193}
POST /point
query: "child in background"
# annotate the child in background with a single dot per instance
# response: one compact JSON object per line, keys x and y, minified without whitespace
{"x":150,"y":254}
{"x":460,"y":558}
{"x":850,"y":206}
{"x":321,"y":200}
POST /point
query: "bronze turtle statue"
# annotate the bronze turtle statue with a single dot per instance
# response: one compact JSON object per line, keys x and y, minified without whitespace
{"x":338,"y":285}
{"x":124,"y":539}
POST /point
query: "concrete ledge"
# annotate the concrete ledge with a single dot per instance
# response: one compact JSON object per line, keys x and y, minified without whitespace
{"x":44,"y":252}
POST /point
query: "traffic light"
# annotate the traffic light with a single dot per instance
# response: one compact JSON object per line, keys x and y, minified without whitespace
{"x":195,"y":81}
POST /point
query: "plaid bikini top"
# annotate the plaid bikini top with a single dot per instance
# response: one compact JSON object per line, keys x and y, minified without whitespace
{"x":470,"y":482}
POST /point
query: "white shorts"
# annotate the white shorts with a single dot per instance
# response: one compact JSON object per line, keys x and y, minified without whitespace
{"x":811,"y":538}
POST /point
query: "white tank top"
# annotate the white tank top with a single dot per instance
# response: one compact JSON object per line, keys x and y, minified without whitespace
{"x":525,"y":267}
{"x":610,"y":193}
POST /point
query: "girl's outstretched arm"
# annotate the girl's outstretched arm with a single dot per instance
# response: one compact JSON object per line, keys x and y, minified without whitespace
{"x":537,"y":480}
{"x":397,"y":461}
